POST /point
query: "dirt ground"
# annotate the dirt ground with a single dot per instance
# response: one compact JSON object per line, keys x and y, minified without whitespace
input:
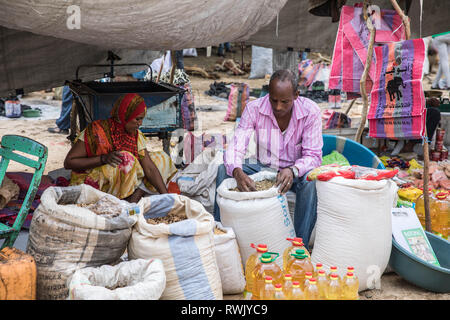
{"x":211,"y":112}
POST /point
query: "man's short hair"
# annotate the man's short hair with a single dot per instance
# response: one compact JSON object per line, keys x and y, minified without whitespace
{"x":285,"y":75}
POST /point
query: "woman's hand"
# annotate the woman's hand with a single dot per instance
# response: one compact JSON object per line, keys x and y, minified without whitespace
{"x":113,"y":158}
{"x":244,"y":182}
{"x":284,"y":180}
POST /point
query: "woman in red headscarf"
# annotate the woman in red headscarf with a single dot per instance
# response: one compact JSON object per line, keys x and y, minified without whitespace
{"x":111,"y":154}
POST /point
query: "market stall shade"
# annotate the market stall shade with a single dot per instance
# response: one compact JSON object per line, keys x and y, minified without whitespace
{"x":175,"y":24}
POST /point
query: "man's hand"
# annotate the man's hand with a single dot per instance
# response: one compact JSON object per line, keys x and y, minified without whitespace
{"x":113,"y":158}
{"x":244,"y":182}
{"x":284,"y":180}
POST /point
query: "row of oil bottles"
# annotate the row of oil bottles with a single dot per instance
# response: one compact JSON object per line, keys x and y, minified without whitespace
{"x":298,"y":279}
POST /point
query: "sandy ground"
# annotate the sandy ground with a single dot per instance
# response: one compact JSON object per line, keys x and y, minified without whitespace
{"x":211,"y":113}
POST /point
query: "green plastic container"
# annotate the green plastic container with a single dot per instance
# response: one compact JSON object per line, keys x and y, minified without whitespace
{"x":31,"y":113}
{"x":419,"y":272}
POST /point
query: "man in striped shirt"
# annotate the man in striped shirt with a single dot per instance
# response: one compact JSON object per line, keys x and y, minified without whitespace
{"x":287,"y":130}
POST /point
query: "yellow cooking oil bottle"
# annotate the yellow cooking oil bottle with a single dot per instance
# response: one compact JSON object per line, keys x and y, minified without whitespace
{"x":322,"y":284}
{"x":308,"y":276}
{"x":298,"y":266}
{"x":312,"y":291}
{"x":296,"y":244}
{"x":279,"y":294}
{"x":439,"y":212}
{"x":268,"y":290}
{"x":265,"y":267}
{"x":250,"y":266}
{"x":287,"y":286}
{"x":350,"y":287}
{"x":297,"y":292}
{"x":442,"y":214}
{"x":334,"y":290}
{"x":334,"y":270}
{"x":319,"y":267}
{"x":352,"y":270}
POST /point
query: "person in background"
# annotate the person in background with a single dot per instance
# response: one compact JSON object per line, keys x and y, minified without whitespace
{"x":433,"y":117}
{"x":288,"y":133}
{"x":226,"y":46}
{"x":140,"y":75}
{"x":63,"y":122}
{"x":111,"y":154}
{"x":442,"y":44}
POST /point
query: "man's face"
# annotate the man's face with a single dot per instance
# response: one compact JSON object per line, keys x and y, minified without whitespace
{"x":281,"y":97}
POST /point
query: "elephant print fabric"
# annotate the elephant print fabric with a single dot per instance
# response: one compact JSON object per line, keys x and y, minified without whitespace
{"x":397,"y":104}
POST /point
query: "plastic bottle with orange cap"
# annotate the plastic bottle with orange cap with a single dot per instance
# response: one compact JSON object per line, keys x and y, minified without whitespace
{"x":268,"y":291}
{"x":265,"y":267}
{"x":350,"y":287}
{"x":279,"y":294}
{"x":297,"y":244}
{"x":322,"y":283}
{"x":250,"y":266}
{"x":308,"y":277}
{"x":439,"y":212}
{"x":442,"y":214}
{"x":312,"y":291}
{"x":334,"y":290}
{"x":297,"y":292}
{"x":287,"y":286}
{"x":298,"y":266}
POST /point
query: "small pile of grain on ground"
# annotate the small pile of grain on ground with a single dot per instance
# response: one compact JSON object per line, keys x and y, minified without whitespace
{"x":260,"y":185}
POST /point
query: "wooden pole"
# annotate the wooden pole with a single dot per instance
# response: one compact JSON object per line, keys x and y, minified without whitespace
{"x":404,"y":17}
{"x":161,"y":67}
{"x":350,"y":106}
{"x":426,"y":154}
{"x":174,"y":65}
{"x":362,"y":82}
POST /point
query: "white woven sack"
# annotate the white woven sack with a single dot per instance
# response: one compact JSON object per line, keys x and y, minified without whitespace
{"x":354,"y":227}
{"x":138,"y":279}
{"x":229,"y":261}
{"x":256,"y":217}
{"x":186,"y":248}
{"x":65,"y":237}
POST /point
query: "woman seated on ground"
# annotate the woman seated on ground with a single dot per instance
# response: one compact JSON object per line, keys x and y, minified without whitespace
{"x":111,"y":154}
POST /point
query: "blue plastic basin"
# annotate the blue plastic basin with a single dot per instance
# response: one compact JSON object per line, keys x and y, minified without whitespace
{"x":419,"y":272}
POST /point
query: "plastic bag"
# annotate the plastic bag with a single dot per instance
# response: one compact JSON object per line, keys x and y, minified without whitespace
{"x":327,"y":172}
{"x":139,"y":279}
{"x":261,"y":62}
{"x":335,"y":158}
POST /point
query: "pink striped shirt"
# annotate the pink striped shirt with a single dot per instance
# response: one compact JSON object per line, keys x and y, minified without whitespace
{"x":299,"y":145}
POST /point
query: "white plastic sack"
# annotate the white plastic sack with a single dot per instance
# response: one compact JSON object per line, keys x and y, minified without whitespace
{"x":156,"y":64}
{"x":65,"y":237}
{"x":191,"y":52}
{"x":256,"y":217}
{"x":354,"y":227}
{"x":138,"y":279}
{"x":261,"y":62}
{"x":198,"y":180}
{"x":186,"y":247}
{"x":229,"y":261}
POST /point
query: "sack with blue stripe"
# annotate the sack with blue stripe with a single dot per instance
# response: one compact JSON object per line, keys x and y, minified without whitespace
{"x":185,"y":247}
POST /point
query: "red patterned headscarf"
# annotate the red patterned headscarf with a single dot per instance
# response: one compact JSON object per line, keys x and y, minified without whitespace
{"x":104,"y":136}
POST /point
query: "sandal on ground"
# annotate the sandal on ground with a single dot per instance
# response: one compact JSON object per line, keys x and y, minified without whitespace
{"x":58,"y":130}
